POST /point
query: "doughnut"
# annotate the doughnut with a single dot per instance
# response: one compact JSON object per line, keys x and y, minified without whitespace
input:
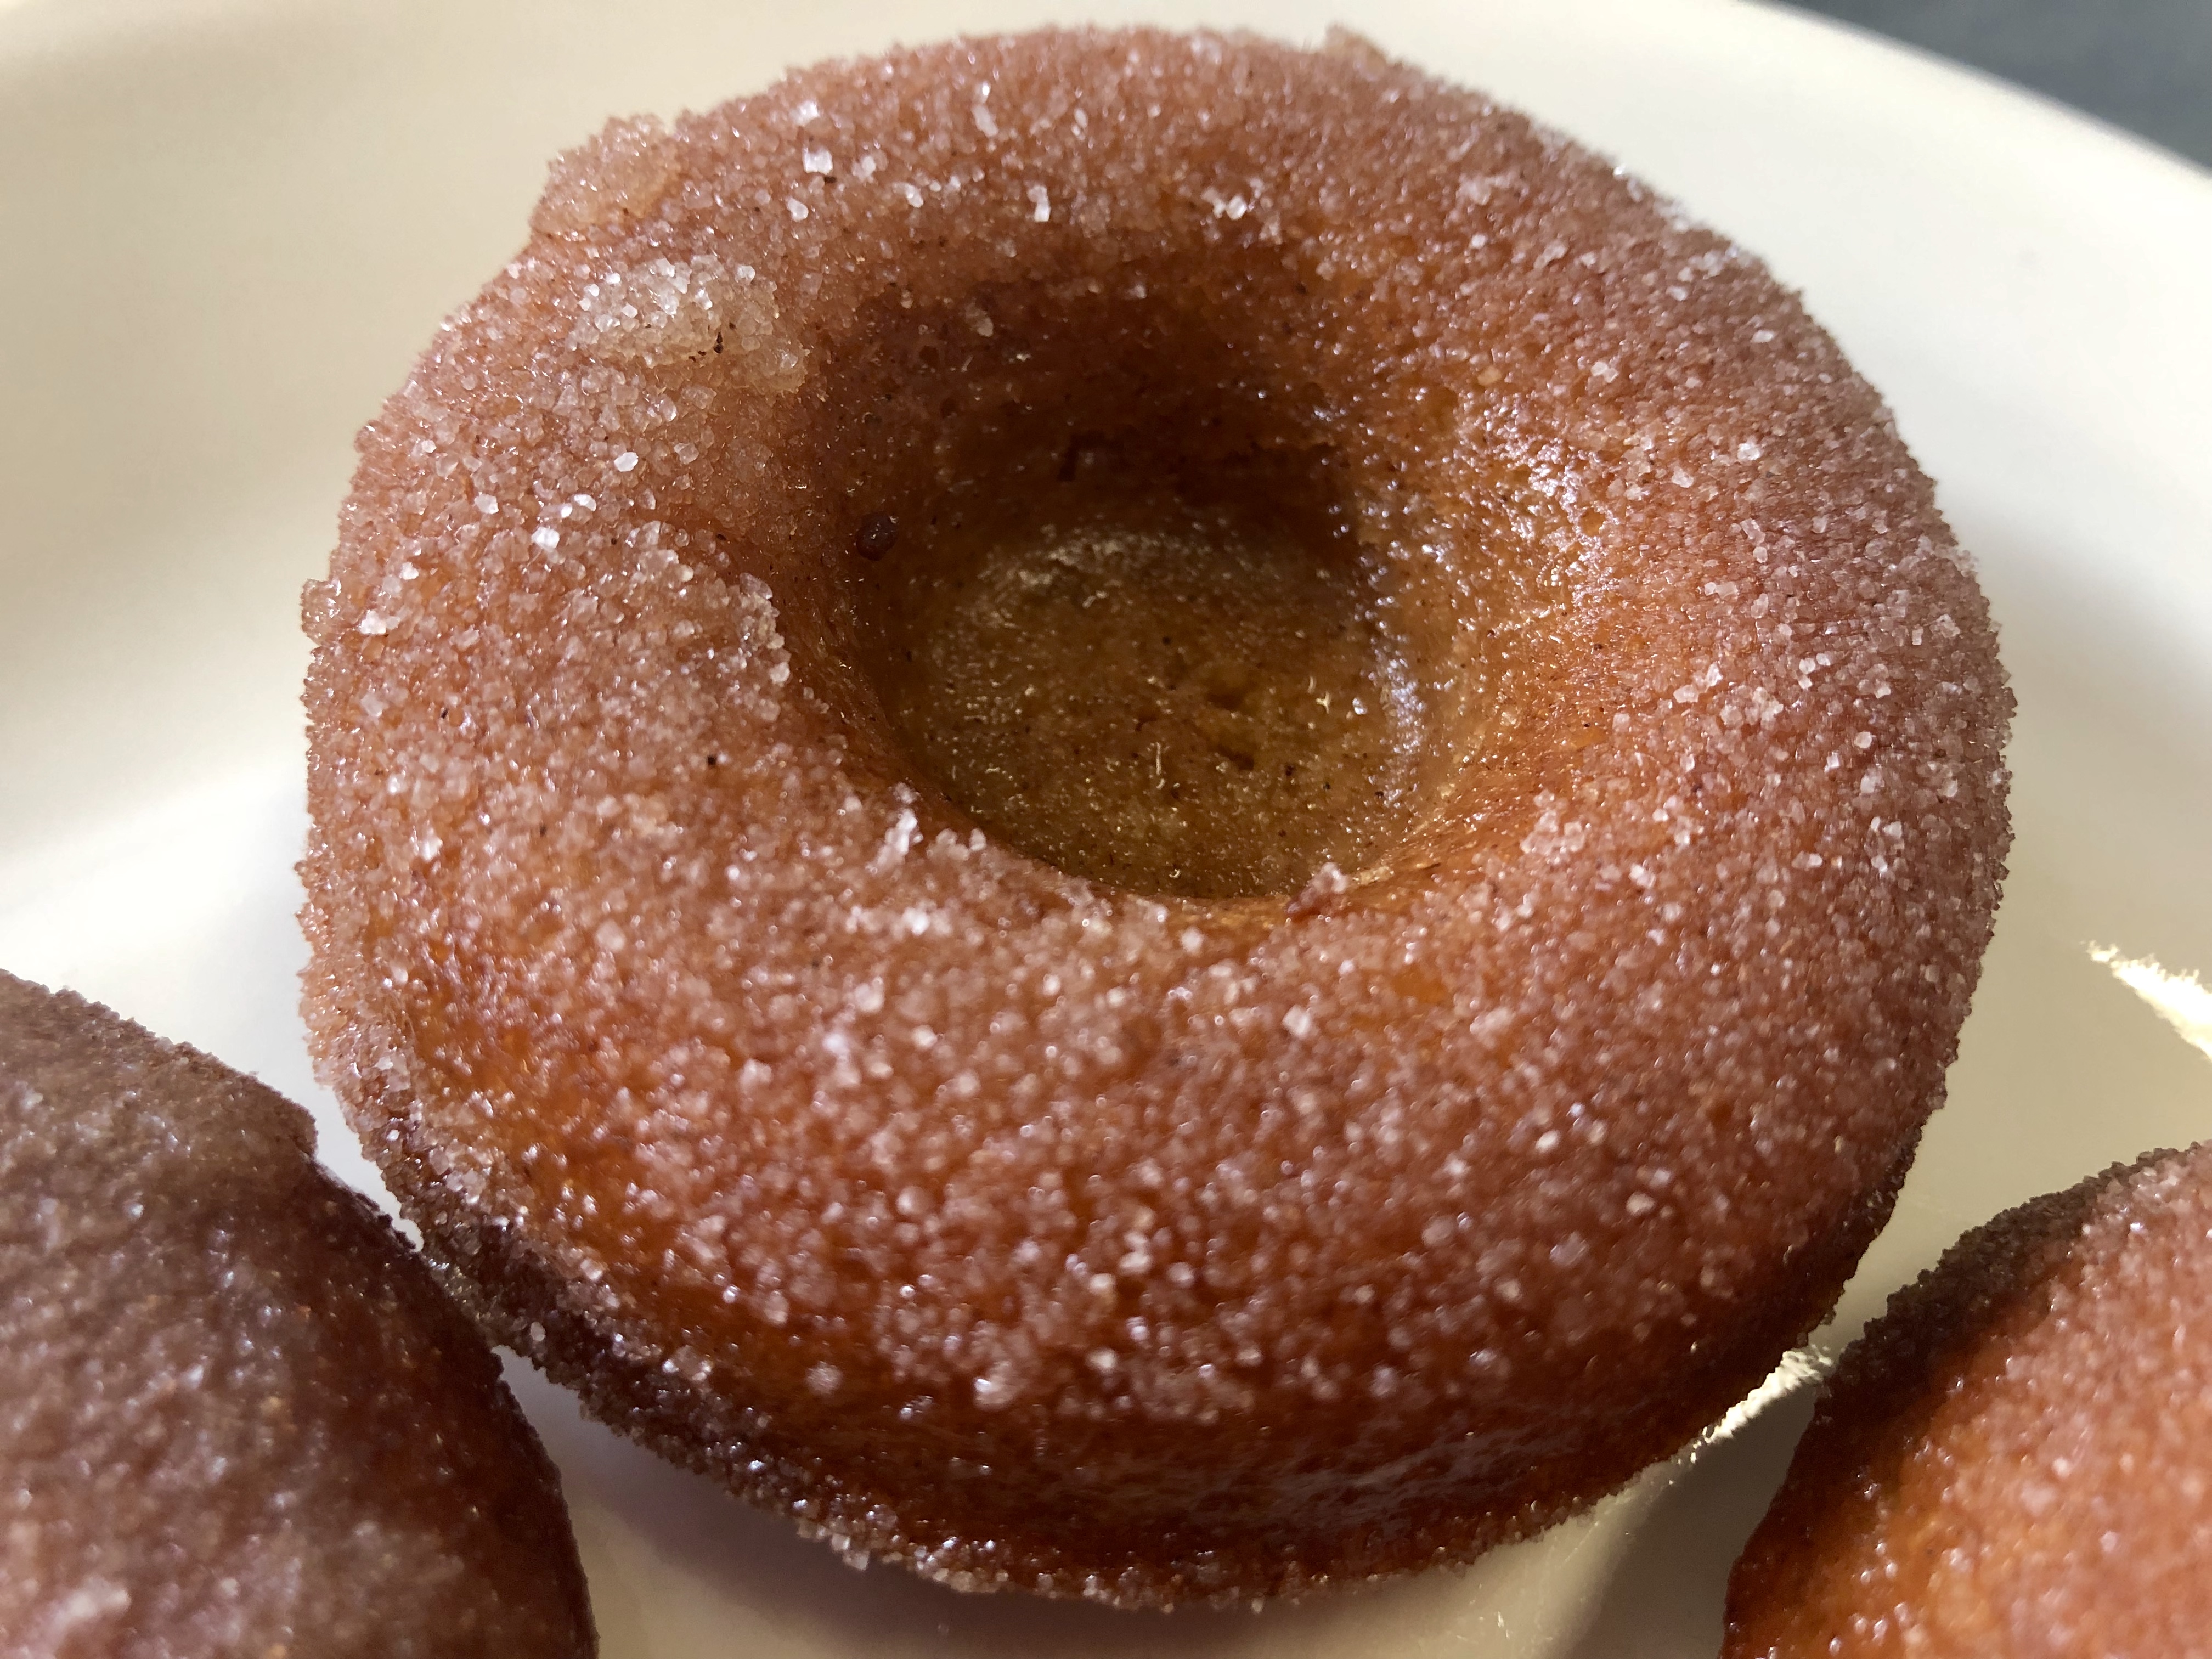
{"x":240,"y":1416}
{"x":2016,"y":1457}
{"x":1142,"y":815}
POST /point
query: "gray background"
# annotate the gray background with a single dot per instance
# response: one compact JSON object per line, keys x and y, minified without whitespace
{"x":2145,"y":65}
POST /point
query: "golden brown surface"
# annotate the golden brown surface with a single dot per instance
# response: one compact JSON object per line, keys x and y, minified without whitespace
{"x":2017,"y":1459}
{"x":1340,"y":1186}
{"x":237,"y":1416}
{"x":1171,"y":698}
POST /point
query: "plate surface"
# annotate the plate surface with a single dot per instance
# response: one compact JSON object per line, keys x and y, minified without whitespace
{"x":230,"y":226}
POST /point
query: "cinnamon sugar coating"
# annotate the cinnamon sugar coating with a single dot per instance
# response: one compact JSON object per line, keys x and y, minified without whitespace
{"x":1320,"y":1094}
{"x":237,"y":1415}
{"x":2016,"y":1458}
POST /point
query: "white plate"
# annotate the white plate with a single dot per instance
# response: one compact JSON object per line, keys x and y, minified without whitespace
{"x":227,"y":227}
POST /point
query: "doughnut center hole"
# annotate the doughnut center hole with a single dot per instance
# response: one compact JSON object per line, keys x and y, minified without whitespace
{"x":1180,"y":686}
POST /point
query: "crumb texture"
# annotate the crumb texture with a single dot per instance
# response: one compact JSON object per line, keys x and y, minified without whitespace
{"x":1063,"y":1102}
{"x":237,"y":1416}
{"x":2016,"y":1458}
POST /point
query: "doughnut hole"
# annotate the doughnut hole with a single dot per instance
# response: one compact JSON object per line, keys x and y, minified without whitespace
{"x":1115,"y":576}
{"x":1176,"y":695}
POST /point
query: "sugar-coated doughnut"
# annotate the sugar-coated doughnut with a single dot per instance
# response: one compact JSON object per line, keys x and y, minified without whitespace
{"x":237,"y":1415}
{"x":2017,"y":1457}
{"x":1143,"y":815}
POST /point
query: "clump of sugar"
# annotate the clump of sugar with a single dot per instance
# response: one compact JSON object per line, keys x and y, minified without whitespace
{"x":621,"y":174}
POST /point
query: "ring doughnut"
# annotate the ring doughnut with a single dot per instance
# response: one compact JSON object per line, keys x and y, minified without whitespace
{"x":2017,"y":1457}
{"x":240,"y":1416}
{"x":1143,"y":815}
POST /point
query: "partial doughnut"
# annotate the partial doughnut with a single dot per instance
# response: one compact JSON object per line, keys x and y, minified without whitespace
{"x":1143,"y":815}
{"x":237,"y":1415}
{"x":2016,"y":1458}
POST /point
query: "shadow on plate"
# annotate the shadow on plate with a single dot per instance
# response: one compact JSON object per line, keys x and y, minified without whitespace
{"x":678,"y":1568}
{"x":1664,"y":1599}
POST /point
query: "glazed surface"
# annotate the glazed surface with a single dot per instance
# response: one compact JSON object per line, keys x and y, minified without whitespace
{"x":2017,"y":1457}
{"x":237,"y":1416}
{"x":1310,"y":1195}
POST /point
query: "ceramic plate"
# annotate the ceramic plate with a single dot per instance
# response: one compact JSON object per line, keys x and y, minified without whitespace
{"x":228,"y":227}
